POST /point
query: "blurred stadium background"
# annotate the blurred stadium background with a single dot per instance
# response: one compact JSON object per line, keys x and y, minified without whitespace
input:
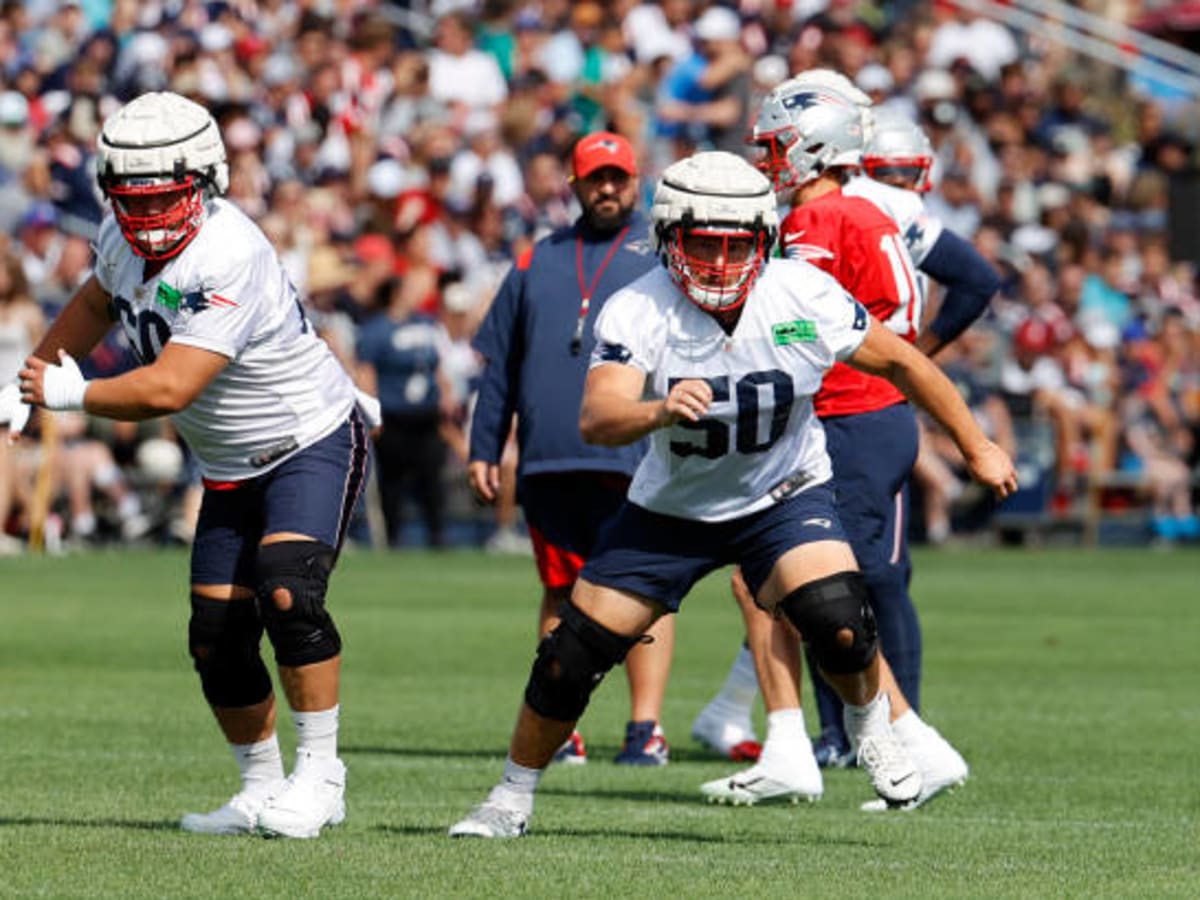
{"x":418,"y":147}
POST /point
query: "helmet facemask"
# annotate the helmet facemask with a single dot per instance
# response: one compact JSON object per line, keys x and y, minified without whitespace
{"x":716,"y":265}
{"x":157,"y":216}
{"x":783,"y":160}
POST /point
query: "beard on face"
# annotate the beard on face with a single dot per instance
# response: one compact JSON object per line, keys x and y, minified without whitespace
{"x":610,"y":214}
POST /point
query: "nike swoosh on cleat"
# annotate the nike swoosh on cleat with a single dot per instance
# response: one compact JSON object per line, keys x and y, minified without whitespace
{"x":896,"y":781}
{"x":744,"y":784}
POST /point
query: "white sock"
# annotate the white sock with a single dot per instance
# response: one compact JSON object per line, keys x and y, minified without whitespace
{"x":909,"y":727}
{"x":129,"y":505}
{"x":83,"y":525}
{"x":785,"y":737}
{"x":865,"y":721}
{"x":317,"y":732}
{"x":516,"y":787}
{"x":736,"y":696}
{"x":261,"y":763}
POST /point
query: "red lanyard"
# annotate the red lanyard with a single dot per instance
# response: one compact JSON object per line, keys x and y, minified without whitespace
{"x":586,"y":290}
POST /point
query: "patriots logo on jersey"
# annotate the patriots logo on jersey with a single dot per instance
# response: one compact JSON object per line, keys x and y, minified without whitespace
{"x":617,"y":353}
{"x":191,"y":301}
{"x":860,"y":317}
{"x":914,"y":235}
{"x":640,"y":246}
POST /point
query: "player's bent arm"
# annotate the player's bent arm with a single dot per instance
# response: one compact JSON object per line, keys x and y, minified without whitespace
{"x":883,"y":353}
{"x":166,"y":386}
{"x":970,"y":282}
{"x":614,"y":414}
{"x":80,"y":326}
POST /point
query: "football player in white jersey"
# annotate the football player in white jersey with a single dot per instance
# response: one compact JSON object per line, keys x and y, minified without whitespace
{"x":271,"y":416}
{"x":716,"y":357}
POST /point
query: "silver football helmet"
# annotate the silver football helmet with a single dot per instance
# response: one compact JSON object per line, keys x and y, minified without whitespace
{"x":158,"y":159}
{"x":712,"y":223}
{"x":803,"y":129}
{"x":835,"y":81}
{"x":898,"y":152}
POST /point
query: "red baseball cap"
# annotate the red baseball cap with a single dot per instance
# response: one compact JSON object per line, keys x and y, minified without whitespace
{"x":1034,"y":336}
{"x":604,"y":148}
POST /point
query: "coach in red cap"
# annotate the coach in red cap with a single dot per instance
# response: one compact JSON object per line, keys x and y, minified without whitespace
{"x":596,"y":151}
{"x":537,"y":340}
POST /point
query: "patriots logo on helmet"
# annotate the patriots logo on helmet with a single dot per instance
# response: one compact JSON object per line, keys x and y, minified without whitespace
{"x":805,"y":99}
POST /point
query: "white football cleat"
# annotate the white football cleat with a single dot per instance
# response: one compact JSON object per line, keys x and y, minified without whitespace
{"x":731,"y":738}
{"x":491,"y":820}
{"x":238,"y":816}
{"x":760,"y":783}
{"x":941,"y":766}
{"x":313,"y":797}
{"x":893,"y":773}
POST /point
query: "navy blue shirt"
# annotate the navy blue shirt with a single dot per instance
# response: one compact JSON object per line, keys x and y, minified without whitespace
{"x":526,"y":341}
{"x":405,"y":356}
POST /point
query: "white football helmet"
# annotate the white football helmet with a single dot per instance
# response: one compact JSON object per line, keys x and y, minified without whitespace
{"x":804,"y":129}
{"x":898,"y":152}
{"x":712,"y":223}
{"x":158,"y":159}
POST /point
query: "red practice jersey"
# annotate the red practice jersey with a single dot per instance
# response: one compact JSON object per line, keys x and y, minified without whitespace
{"x":860,"y":246}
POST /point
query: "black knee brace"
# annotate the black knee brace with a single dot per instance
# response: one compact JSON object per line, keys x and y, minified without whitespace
{"x":571,"y":661}
{"x":292,"y":579}
{"x":823,"y":608}
{"x":223,"y":638}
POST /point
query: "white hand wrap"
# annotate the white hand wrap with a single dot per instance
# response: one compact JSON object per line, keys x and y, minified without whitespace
{"x":12,"y":410}
{"x":63,"y":386}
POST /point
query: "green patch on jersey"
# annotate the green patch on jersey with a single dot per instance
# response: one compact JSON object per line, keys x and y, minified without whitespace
{"x":168,"y":296}
{"x":798,"y":331}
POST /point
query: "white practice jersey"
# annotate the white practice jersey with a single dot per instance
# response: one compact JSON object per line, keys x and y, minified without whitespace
{"x":760,"y":440}
{"x":227,"y":292}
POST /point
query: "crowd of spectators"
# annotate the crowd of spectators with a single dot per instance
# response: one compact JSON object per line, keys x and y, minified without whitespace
{"x":402,"y":155}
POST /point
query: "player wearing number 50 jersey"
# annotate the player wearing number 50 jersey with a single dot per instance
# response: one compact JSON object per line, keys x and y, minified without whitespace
{"x":717,"y":359}
{"x":271,"y":417}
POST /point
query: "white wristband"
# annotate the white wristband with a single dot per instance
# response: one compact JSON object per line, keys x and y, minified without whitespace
{"x":63,"y":386}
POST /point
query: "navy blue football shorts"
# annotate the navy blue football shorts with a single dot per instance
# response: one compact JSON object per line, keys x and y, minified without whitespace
{"x":660,"y":557}
{"x":313,"y":493}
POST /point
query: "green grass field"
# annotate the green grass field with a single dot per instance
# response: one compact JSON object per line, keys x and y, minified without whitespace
{"x":1068,"y":679}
